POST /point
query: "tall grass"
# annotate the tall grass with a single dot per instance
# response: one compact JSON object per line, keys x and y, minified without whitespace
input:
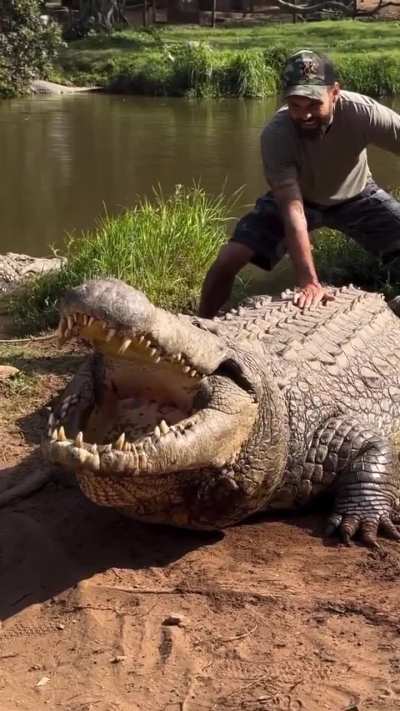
{"x":162,"y":246}
{"x":341,"y":261}
{"x":247,"y":61}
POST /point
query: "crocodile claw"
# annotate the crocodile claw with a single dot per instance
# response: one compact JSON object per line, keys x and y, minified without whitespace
{"x":366,"y":526}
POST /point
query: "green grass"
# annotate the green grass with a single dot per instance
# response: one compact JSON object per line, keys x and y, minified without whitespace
{"x":162,"y":247}
{"x":246,"y":61}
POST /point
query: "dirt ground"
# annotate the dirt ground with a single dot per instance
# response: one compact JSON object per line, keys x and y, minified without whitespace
{"x":100,"y":613}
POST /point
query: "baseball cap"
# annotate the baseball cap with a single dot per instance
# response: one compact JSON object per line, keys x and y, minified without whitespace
{"x":306,"y":73}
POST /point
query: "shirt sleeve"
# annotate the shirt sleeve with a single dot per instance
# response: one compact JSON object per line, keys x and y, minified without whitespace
{"x":383,"y":127}
{"x":278,"y":158}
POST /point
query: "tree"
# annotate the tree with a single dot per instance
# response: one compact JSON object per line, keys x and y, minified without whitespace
{"x":28,"y":45}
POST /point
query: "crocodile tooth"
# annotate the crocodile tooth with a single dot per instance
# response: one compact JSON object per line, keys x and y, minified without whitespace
{"x":70,"y":321}
{"x":90,"y":320}
{"x":148,"y":344}
{"x":85,"y":319}
{"x":61,"y":434}
{"x":127,"y":447}
{"x":120,"y":441}
{"x":164,"y":427}
{"x":157,"y":431}
{"x":186,"y":369}
{"x":54,"y":435}
{"x":193,"y":373}
{"x":141,"y":339}
{"x":110,"y":334}
{"x":95,"y":460}
{"x":124,"y":345}
{"x":51,"y":420}
{"x":157,"y":360}
{"x":142,"y":459}
{"x":153,"y":352}
{"x":67,"y":333}
{"x":94,"y":448}
{"x":79,"y":440}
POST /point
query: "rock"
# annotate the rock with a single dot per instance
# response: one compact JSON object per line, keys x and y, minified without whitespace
{"x":7,"y":371}
{"x":118,"y":659}
{"x":43,"y":681}
{"x":16,"y":268}
{"x":175,"y":620}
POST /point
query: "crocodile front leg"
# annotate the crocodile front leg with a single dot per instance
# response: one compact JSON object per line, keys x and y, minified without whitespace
{"x":364,"y":470}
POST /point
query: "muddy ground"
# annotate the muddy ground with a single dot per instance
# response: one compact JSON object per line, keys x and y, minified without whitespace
{"x":100,"y":613}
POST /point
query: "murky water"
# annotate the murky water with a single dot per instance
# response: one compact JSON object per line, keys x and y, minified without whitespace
{"x":66,"y":160}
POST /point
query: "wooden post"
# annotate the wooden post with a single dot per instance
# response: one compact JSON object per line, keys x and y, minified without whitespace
{"x":144,"y":13}
{"x":214,"y":12}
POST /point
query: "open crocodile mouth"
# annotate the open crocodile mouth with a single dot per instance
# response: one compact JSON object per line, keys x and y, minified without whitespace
{"x":143,"y":406}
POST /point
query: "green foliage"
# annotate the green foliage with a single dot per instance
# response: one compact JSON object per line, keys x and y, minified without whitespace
{"x":27,"y":46}
{"x":250,"y":76}
{"x":341,"y":261}
{"x":232,"y":62}
{"x":163,"y":247}
{"x":376,"y":75}
{"x":193,"y":70}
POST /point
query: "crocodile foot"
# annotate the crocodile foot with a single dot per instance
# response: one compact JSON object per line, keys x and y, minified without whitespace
{"x":366,"y":525}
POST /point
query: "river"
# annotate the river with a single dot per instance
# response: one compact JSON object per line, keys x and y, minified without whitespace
{"x":66,"y":160}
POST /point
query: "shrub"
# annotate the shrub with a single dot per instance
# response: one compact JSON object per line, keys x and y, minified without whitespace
{"x":27,"y":45}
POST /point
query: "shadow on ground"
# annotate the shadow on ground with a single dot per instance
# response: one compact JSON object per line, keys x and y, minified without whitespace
{"x":52,"y":540}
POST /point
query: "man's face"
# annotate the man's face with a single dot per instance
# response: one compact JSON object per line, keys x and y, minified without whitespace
{"x":311,"y":115}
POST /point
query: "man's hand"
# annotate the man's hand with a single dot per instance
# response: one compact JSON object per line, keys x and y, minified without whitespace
{"x":310,"y":295}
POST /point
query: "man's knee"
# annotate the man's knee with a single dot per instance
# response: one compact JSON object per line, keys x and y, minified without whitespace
{"x":231,"y":258}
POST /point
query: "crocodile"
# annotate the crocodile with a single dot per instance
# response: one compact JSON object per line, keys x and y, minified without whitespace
{"x":16,"y":268}
{"x":200,"y":423}
{"x":50,"y":88}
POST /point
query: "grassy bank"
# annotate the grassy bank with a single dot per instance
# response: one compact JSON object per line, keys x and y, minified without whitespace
{"x":198,"y":61}
{"x":162,"y":247}
{"x":165,"y":247}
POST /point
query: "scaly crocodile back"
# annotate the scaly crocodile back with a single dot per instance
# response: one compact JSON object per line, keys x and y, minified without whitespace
{"x":327,"y":335}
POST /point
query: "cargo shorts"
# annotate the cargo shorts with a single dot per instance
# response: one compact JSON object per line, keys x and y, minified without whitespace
{"x":371,"y":218}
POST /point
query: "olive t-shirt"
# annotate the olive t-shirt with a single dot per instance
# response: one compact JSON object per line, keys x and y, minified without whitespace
{"x":334,"y":166}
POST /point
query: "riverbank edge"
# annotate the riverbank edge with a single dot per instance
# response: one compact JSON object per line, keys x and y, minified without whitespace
{"x":198,"y":70}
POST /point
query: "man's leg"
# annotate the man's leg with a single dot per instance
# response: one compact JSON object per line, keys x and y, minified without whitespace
{"x":372,"y":219}
{"x":258,"y":238}
{"x":218,"y":283}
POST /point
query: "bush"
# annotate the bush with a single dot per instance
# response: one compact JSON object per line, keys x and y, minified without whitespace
{"x":28,"y":46}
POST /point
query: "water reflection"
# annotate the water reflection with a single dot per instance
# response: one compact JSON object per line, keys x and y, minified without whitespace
{"x":66,"y":159}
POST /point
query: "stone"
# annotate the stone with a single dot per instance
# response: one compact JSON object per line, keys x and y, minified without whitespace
{"x":7,"y":371}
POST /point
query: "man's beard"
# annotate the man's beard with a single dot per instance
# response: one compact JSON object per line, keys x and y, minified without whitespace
{"x":315,"y":129}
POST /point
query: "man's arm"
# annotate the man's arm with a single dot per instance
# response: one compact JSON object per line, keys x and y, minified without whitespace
{"x":290,"y":203}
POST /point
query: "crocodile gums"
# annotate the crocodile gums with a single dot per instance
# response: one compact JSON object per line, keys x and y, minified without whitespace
{"x":200,"y":423}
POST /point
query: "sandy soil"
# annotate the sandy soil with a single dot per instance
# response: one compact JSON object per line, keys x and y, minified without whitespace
{"x":100,"y":613}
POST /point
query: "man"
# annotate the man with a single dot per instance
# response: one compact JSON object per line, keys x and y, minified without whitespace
{"x":315,"y":160}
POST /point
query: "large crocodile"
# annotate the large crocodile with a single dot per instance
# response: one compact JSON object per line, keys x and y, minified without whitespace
{"x":200,"y":423}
